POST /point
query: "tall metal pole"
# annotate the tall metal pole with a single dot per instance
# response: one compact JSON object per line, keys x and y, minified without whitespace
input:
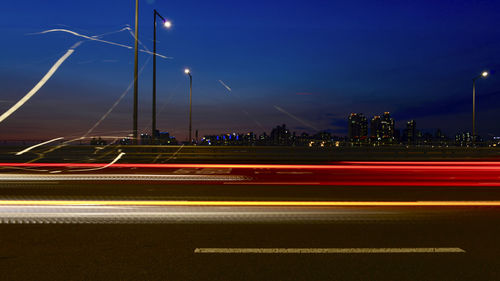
{"x":153,"y":128}
{"x":136,"y":86}
{"x":190,"y":105}
{"x":473,"y":109}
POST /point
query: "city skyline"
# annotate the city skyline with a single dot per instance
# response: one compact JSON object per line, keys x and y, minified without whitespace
{"x":251,"y":75}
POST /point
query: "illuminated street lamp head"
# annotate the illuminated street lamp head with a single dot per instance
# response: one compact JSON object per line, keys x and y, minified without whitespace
{"x":187,"y":71}
{"x":484,"y":74}
{"x":167,"y":24}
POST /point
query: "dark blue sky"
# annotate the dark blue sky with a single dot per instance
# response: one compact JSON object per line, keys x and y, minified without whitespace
{"x":316,"y":60}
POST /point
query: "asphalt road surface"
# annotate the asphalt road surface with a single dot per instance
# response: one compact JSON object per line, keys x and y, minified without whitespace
{"x":108,"y":218}
{"x":400,"y":249}
{"x":160,"y":230}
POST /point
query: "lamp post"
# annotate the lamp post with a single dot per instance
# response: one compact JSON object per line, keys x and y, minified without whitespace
{"x":188,"y":72}
{"x":136,"y":55}
{"x":484,"y":74}
{"x":167,"y":24}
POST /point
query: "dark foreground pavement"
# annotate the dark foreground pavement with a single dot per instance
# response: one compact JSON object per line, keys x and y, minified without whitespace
{"x":167,"y":251}
{"x":127,"y":242}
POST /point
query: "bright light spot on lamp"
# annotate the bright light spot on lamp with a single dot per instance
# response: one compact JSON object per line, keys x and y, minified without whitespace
{"x":167,"y":24}
{"x":187,"y":71}
{"x":485,"y":73}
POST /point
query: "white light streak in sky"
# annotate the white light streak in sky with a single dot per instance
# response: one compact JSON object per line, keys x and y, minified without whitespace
{"x":295,"y":118}
{"x":96,"y":38}
{"x":146,"y":50}
{"x":225,"y":86}
{"x":116,"y":102}
{"x":40,"y":84}
{"x":59,"y":62}
{"x":93,"y":38}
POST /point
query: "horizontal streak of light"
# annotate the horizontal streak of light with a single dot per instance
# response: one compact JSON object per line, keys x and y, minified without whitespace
{"x":37,"y":145}
{"x":419,"y":162}
{"x":118,"y":177}
{"x":255,"y":203}
{"x":327,"y":250}
{"x":263,"y":166}
{"x":410,"y":182}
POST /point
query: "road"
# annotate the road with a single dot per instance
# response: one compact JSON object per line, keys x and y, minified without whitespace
{"x":317,"y":220}
{"x":159,"y":251}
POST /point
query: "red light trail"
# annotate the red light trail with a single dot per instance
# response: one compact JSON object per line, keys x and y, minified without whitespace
{"x":410,"y":174}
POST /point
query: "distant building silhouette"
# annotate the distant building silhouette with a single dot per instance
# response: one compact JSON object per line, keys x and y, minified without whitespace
{"x":411,"y":132}
{"x":160,"y":138}
{"x":281,"y":136}
{"x":387,"y":127}
{"x":358,"y":127}
{"x":463,"y":139}
{"x":382,"y":130}
{"x":376,"y":128}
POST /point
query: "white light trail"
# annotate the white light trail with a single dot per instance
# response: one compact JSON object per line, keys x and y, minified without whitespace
{"x":40,"y":84}
{"x":173,"y":155}
{"x":93,"y":38}
{"x":158,"y":55}
{"x":116,"y":102}
{"x":96,"y":38}
{"x":103,"y":167}
{"x":225,"y":85}
{"x":295,"y":118}
{"x":110,"y":177}
{"x":37,"y":145}
{"x":254,"y":120}
{"x":112,"y":32}
{"x":146,"y":50}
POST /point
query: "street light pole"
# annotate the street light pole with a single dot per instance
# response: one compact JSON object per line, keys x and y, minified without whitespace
{"x":153,"y":125}
{"x":134,"y":133}
{"x":483,"y":75}
{"x":167,"y":24}
{"x":187,"y":71}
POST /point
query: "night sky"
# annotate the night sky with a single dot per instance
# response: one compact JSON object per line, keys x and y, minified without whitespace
{"x":307,"y":64}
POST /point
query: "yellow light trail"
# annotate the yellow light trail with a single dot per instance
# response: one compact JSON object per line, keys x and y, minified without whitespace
{"x":255,"y":203}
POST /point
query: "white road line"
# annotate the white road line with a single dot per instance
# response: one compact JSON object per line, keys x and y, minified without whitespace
{"x":37,"y":145}
{"x":327,"y":250}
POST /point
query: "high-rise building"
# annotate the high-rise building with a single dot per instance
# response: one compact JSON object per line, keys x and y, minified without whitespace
{"x":281,"y":136}
{"x":387,"y":126}
{"x":358,"y":126}
{"x":376,"y":128}
{"x":411,"y":132}
{"x":464,"y":139}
